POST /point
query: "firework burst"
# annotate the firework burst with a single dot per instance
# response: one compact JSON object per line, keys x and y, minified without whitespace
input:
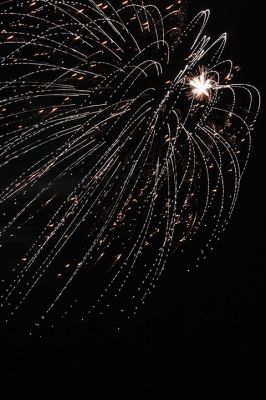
{"x":123,"y":139}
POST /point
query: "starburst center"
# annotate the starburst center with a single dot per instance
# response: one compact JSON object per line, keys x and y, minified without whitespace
{"x":201,"y":86}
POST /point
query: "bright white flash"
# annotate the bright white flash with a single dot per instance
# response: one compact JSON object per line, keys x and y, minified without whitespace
{"x":201,"y":86}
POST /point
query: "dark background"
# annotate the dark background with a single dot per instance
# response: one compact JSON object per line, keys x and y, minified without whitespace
{"x":203,"y":326}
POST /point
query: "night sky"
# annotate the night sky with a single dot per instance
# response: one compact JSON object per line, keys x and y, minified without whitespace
{"x":213,"y":316}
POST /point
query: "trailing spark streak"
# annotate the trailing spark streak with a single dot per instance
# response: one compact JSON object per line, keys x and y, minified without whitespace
{"x":115,"y":151}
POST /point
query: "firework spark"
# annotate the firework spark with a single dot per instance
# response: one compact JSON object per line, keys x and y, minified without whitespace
{"x":107,"y":165}
{"x":201,"y":86}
